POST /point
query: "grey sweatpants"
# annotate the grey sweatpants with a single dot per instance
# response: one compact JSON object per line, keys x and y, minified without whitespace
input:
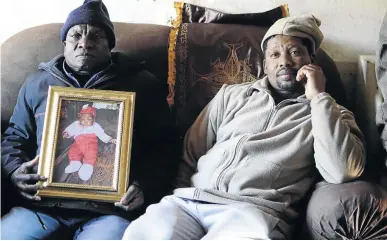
{"x":177,"y":218}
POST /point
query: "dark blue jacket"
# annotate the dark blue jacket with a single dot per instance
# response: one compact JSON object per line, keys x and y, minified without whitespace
{"x":154,"y":143}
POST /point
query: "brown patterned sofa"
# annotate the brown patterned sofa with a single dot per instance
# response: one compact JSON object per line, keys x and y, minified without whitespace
{"x":352,"y":210}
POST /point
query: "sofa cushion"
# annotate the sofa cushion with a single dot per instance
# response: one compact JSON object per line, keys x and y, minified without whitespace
{"x":356,"y":210}
{"x":191,"y":13}
{"x":21,"y":54}
{"x":208,"y":56}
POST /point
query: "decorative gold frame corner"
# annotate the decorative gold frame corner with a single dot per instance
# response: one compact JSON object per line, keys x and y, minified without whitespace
{"x":56,"y":95}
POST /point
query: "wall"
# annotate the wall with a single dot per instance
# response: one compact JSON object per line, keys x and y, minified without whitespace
{"x":351,"y":27}
{"x":18,"y":15}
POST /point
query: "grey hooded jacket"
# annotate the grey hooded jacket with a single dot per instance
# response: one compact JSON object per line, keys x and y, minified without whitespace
{"x":245,"y":148}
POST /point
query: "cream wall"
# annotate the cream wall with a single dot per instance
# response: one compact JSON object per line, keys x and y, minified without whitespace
{"x":351,"y":27}
{"x":21,"y":14}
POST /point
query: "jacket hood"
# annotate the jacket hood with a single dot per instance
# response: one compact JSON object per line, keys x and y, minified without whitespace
{"x":54,"y":65}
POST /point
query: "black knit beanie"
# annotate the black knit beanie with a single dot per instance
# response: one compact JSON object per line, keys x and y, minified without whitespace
{"x":91,"y":12}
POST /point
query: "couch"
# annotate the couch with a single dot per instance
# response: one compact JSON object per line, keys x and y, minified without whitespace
{"x":343,"y":211}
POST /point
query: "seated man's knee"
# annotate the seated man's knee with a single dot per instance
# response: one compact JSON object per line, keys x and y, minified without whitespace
{"x":22,"y":223}
{"x":148,"y":227}
{"x":103,"y":227}
{"x":156,"y":223}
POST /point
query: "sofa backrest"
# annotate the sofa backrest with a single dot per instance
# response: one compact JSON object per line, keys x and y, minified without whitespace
{"x":22,"y":53}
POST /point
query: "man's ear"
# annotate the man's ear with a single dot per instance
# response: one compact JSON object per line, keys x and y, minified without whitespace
{"x":264,"y":66}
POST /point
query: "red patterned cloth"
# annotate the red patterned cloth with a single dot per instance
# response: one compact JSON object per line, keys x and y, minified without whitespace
{"x":85,"y":147}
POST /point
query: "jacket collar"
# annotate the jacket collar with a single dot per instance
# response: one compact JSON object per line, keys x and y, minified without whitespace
{"x":92,"y":79}
{"x":259,"y":85}
{"x":119,"y":62}
{"x":120,"y":65}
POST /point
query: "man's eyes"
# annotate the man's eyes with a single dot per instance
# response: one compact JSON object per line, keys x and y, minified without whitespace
{"x":292,"y":53}
{"x":91,"y":36}
{"x":76,"y":35}
{"x":295,"y":52}
{"x":97,"y":35}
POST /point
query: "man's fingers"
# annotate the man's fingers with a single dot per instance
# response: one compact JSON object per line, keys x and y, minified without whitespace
{"x":30,"y":177}
{"x":124,"y":207}
{"x":30,"y":197}
{"x":309,"y":69}
{"x":300,"y":74}
{"x":32,"y":163}
{"x":134,"y":204}
{"x":130,"y":194}
{"x":30,"y":188}
{"x":312,"y":68}
{"x":305,"y":71}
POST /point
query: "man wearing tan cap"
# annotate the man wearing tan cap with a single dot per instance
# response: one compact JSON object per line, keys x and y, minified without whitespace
{"x":252,"y":153}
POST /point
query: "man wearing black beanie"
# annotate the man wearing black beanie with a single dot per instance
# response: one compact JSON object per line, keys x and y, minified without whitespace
{"x":88,"y":38}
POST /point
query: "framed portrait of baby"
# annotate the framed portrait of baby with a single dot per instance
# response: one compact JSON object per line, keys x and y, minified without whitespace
{"x":86,"y":144}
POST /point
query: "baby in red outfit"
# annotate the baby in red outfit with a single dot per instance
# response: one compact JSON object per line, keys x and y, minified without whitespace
{"x":83,"y":153}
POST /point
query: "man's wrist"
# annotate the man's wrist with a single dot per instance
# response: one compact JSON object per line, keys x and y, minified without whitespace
{"x":318,"y":97}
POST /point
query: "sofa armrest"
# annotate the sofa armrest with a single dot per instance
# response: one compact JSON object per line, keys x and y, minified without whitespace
{"x":356,"y":210}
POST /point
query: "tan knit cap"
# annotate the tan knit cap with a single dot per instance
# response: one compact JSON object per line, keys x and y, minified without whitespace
{"x":304,"y":26}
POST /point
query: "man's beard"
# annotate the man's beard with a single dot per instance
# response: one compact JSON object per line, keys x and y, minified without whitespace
{"x":291,"y":85}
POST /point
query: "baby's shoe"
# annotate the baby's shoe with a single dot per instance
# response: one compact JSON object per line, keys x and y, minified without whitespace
{"x":85,"y":171}
{"x":73,"y":166}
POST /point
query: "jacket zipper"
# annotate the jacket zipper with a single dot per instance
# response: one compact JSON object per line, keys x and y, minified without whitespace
{"x":273,"y":112}
{"x":237,"y":148}
{"x":229,"y":164}
{"x":99,"y":81}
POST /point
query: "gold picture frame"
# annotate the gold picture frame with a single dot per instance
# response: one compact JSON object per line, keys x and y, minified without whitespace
{"x":86,"y":144}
